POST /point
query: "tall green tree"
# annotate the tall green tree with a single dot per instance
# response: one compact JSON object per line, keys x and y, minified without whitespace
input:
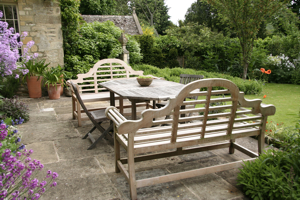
{"x":97,"y":7}
{"x":246,"y":16}
{"x":205,"y":14}
{"x":153,"y":12}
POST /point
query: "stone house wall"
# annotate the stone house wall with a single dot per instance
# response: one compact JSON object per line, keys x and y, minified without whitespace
{"x":42,"y":20}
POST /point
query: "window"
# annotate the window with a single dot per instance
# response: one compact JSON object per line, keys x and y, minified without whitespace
{"x":10,"y":15}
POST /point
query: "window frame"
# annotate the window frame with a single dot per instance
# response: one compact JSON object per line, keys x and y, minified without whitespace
{"x":13,"y":19}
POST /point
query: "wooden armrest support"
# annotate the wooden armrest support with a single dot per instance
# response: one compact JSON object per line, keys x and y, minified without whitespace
{"x":257,"y":106}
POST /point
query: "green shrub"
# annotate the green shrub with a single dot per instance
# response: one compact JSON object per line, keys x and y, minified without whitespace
{"x":146,"y":44}
{"x":248,"y":87}
{"x":134,"y":49}
{"x":275,"y":174}
{"x":14,"y":109}
{"x":10,"y":86}
{"x":172,"y":61}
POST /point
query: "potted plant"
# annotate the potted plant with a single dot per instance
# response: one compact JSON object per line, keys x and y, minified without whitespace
{"x":54,"y":81}
{"x":34,"y":76}
{"x":144,"y":80}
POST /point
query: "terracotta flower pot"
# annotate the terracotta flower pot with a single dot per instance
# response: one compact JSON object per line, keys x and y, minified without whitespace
{"x":34,"y":84}
{"x":62,"y":87}
{"x":54,"y":91}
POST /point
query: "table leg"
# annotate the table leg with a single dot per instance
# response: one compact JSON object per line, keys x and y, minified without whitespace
{"x":112,"y":98}
{"x":153,"y":104}
{"x":133,"y":109}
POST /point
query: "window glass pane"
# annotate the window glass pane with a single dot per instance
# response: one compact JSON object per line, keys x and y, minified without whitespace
{"x":1,"y":8}
{"x":16,"y":26}
{"x":8,"y":12}
{"x":15,"y":12}
{"x":10,"y":23}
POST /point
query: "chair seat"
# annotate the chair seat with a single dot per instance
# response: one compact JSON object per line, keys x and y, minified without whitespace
{"x":101,"y":96}
{"x":99,"y":115}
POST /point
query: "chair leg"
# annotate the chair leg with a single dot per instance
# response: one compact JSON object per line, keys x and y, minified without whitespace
{"x":86,"y":135}
{"x":231,"y":148}
{"x":102,"y":136}
{"x":79,"y":114}
{"x":117,"y":153}
{"x":121,"y":105}
{"x":131,"y":169}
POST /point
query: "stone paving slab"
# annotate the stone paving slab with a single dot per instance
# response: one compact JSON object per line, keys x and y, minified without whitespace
{"x":44,"y":152}
{"x":47,"y":131}
{"x":41,"y":117}
{"x":75,"y":148}
{"x":164,"y":191}
{"x":76,"y":168}
{"x":93,"y":187}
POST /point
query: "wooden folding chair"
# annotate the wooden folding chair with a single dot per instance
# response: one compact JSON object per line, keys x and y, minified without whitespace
{"x":96,"y":116}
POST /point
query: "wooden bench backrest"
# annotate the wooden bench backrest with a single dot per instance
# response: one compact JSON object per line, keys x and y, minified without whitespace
{"x":220,"y":115}
{"x":104,"y":70}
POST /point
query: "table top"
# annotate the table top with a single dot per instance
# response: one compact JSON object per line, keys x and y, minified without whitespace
{"x":130,"y":89}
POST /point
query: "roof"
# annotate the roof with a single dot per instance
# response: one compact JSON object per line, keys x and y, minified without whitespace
{"x":130,"y":24}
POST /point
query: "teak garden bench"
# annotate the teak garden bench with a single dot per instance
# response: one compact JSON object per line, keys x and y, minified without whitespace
{"x":90,"y":91}
{"x":234,"y":117}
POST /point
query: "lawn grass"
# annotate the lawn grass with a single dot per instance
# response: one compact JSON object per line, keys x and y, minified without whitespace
{"x":286,"y":99}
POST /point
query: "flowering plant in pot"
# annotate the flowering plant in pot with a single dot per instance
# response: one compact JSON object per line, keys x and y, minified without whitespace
{"x":54,"y":81}
{"x":35,"y":70}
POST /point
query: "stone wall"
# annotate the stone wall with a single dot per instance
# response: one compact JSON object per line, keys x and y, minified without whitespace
{"x":42,"y":20}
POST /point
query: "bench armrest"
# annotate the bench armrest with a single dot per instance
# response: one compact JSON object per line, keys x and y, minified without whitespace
{"x":257,"y":105}
{"x":113,"y":114}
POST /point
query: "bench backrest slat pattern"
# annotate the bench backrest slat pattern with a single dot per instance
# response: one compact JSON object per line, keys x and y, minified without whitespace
{"x":104,"y":70}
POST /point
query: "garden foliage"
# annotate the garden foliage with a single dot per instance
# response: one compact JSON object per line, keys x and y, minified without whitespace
{"x":18,"y":171}
{"x":98,"y":41}
{"x":14,"y":108}
{"x":248,"y":87}
{"x":275,"y":174}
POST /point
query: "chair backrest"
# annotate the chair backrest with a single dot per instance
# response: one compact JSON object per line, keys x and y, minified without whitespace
{"x":187,"y":78}
{"x":75,"y":91}
{"x":104,"y":70}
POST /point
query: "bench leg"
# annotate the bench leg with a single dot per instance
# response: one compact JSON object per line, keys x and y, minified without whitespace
{"x":78,"y":113}
{"x":131,"y":169}
{"x":261,"y":137}
{"x":231,"y":147}
{"x":73,"y":107}
{"x":117,"y":153}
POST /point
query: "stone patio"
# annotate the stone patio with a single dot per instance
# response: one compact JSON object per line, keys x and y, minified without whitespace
{"x":89,"y":174}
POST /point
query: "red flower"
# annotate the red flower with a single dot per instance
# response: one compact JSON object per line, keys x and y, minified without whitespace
{"x":265,"y":96}
{"x":262,"y":70}
{"x":268,"y":72}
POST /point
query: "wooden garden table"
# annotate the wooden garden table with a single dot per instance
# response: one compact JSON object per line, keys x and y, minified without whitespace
{"x":130,"y":89}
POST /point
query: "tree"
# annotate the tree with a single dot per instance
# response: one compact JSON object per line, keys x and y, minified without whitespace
{"x":204,"y":14}
{"x":153,"y":12}
{"x":246,"y":16}
{"x":97,"y":7}
{"x":122,"y":7}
